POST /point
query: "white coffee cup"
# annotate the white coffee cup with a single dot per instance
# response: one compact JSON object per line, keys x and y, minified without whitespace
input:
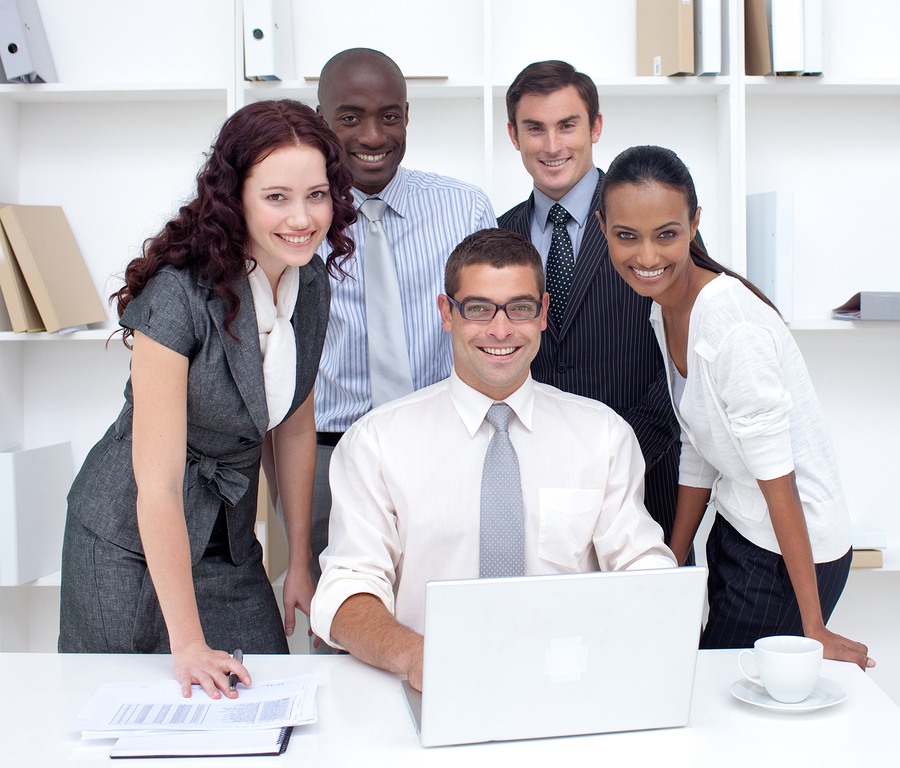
{"x":788,"y":666}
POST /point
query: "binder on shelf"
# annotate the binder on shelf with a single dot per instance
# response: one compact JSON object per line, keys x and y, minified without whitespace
{"x":45,"y":249}
{"x":707,"y":37}
{"x":787,"y":36}
{"x":24,"y":50}
{"x":813,"y":38}
{"x":665,"y":38}
{"x":17,"y":300}
{"x":268,"y":40}
{"x":757,"y":53}
{"x":770,"y":248}
{"x":869,"y":305}
{"x":33,"y":488}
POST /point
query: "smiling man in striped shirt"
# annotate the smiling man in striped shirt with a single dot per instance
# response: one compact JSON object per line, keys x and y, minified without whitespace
{"x":362,"y":97}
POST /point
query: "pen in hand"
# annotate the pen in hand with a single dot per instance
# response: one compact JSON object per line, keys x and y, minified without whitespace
{"x":232,"y":678}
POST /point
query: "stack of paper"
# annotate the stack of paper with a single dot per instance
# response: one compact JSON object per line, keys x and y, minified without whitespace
{"x":155,"y":720}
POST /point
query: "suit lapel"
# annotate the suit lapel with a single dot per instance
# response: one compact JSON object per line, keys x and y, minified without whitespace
{"x":244,"y":356}
{"x":521,"y":223}
{"x":591,"y":253}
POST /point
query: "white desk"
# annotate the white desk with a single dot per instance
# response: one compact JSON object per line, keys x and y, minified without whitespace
{"x":363,"y":721}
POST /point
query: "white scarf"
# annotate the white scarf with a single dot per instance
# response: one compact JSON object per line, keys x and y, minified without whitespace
{"x":276,"y":339}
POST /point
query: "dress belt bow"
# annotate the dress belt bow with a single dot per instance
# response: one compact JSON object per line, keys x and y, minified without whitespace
{"x":222,"y":474}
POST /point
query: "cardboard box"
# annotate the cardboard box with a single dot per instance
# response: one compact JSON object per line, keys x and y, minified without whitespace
{"x":867,"y":558}
{"x":51,"y":263}
{"x":33,"y":489}
{"x":665,"y":38}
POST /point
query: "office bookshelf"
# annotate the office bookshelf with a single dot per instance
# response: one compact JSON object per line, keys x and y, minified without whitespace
{"x":117,"y":143}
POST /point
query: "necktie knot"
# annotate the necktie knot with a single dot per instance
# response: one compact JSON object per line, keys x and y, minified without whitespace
{"x":499,"y":415}
{"x":373,"y":208}
{"x":558,"y":215}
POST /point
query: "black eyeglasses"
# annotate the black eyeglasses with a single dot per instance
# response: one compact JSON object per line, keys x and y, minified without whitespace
{"x":482,"y":311}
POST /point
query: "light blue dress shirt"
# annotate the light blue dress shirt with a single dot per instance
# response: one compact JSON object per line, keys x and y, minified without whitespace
{"x":428,"y":215}
{"x":577,"y":201}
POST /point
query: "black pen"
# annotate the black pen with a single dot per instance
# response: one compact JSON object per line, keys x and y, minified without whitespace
{"x":233,"y":679}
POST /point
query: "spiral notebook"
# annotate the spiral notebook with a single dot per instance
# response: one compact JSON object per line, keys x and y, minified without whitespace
{"x":205,"y":744}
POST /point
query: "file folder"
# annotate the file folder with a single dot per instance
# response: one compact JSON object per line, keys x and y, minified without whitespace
{"x":786,"y":23}
{"x":770,"y":248}
{"x":707,"y":37}
{"x":757,"y":51}
{"x":24,"y":51}
{"x":19,"y":303}
{"x":814,"y":35}
{"x":52,"y":264}
{"x":268,"y":40}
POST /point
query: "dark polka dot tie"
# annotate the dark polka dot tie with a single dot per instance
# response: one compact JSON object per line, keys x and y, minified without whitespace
{"x":502,"y":527}
{"x":560,"y":263}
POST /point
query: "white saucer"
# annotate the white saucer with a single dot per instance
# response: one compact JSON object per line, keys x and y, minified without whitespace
{"x":827,"y":693}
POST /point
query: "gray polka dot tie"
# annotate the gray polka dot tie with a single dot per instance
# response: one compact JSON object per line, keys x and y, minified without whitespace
{"x":502,"y":528}
{"x":560,"y":263}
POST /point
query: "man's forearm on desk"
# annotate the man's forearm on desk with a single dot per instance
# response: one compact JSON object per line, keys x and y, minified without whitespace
{"x":368,"y":630}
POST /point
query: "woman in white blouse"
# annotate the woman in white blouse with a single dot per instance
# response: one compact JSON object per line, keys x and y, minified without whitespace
{"x":226,"y":309}
{"x":753,"y":436}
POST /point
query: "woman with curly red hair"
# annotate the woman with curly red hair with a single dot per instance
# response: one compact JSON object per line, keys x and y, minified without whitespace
{"x":226,"y":311}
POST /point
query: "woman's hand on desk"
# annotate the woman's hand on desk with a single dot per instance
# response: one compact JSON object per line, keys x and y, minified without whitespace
{"x":841,"y":649}
{"x":198,"y":663}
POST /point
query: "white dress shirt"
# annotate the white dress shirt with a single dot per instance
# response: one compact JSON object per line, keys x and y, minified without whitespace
{"x":427,"y":216}
{"x":406,"y":487}
{"x":749,"y":412}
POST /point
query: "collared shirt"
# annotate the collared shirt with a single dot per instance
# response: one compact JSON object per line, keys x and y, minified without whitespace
{"x":406,"y":485}
{"x":749,"y":412}
{"x":577,"y":201}
{"x":427,"y":217}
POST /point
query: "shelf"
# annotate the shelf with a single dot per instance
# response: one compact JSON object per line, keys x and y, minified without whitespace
{"x":92,"y":334}
{"x":114,"y":92}
{"x":306,"y":90}
{"x":826,"y":324}
{"x":822,"y":86}
{"x":711,"y":85}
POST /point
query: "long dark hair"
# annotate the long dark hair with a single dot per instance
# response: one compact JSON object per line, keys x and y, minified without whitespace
{"x":649,"y":165}
{"x":208,"y":236}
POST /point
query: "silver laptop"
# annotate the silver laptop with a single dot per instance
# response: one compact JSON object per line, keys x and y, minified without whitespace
{"x":539,"y":656}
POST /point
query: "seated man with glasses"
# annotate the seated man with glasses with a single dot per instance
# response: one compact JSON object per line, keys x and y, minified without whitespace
{"x":487,"y":473}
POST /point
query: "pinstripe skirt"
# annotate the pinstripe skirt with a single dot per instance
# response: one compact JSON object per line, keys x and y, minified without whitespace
{"x":750,"y":592}
{"x":108,"y":603}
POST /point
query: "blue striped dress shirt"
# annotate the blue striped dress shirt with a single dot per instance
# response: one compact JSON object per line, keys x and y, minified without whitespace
{"x":426,"y":218}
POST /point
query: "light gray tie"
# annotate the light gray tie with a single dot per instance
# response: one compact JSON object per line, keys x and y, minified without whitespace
{"x":502,"y":527}
{"x":389,"y":371}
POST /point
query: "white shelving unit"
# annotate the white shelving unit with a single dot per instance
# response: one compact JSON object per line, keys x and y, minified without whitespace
{"x":118,"y":142}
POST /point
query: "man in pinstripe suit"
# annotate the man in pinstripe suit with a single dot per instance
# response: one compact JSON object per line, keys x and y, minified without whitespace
{"x":598,"y":343}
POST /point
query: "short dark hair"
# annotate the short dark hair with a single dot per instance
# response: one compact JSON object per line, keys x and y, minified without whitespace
{"x":353,"y":59}
{"x":543,"y":77}
{"x":498,"y":248}
{"x":657,"y":165}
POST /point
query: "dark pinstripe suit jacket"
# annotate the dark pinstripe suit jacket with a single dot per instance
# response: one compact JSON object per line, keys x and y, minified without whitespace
{"x":605,"y":348}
